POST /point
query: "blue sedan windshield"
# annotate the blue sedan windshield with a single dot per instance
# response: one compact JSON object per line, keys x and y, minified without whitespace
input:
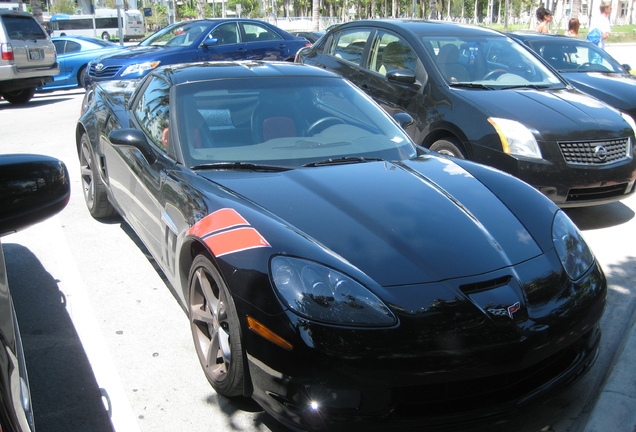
{"x":288,"y":122}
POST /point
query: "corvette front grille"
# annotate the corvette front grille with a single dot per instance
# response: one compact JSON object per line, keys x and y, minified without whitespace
{"x":107,"y":72}
{"x":595,"y":152}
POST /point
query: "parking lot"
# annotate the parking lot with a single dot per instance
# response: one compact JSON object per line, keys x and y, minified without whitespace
{"x":104,"y":336}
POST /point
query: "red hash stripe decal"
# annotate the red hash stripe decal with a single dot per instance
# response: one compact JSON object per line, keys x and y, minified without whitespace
{"x":235,"y":240}
{"x":225,"y":231}
{"x":219,"y":220}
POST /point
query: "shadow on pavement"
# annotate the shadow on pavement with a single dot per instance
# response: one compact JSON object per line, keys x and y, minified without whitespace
{"x":64,"y":392}
{"x":601,"y":216}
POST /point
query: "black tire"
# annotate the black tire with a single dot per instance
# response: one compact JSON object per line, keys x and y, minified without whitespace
{"x":215,"y":329}
{"x":19,"y":97}
{"x":94,"y":189}
{"x":105,"y":36}
{"x":80,"y":77}
{"x":449,"y":147}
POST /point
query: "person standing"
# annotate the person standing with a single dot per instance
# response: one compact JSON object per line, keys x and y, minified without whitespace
{"x":544,"y":17}
{"x":602,"y":23}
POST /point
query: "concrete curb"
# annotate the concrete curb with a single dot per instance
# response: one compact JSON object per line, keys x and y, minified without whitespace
{"x":615,"y":408}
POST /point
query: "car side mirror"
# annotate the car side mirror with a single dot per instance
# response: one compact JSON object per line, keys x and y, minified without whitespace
{"x":210,"y":42}
{"x":627,"y":68}
{"x":32,"y":188}
{"x":404,"y":119}
{"x":133,"y":138}
{"x":402,"y":76}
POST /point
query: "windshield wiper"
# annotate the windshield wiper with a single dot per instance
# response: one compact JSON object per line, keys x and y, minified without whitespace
{"x":530,"y":86}
{"x":342,"y":161}
{"x":247,"y":166}
{"x":472,"y":85}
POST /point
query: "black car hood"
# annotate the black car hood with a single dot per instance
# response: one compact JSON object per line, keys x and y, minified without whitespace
{"x":391,"y":221}
{"x":617,"y":90}
{"x":557,"y":114}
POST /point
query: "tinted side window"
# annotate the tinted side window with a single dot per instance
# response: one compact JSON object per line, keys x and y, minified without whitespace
{"x":255,"y":32}
{"x":72,"y":47}
{"x":227,"y":33}
{"x":391,"y":52}
{"x":349,"y":45}
{"x":152,"y":111}
{"x":22,"y":27}
{"x":60,"y":46}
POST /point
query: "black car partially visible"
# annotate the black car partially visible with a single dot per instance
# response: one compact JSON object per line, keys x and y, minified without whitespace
{"x":32,"y":188}
{"x":587,"y":67}
{"x":478,"y":94}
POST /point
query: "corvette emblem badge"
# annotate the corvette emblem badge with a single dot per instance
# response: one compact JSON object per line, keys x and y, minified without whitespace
{"x":509,"y":311}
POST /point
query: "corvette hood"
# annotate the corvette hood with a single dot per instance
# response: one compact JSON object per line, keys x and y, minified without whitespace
{"x":390,"y":220}
{"x":554,"y":114}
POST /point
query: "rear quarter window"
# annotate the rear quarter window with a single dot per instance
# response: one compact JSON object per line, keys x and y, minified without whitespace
{"x":22,"y":28}
{"x":349,"y":45}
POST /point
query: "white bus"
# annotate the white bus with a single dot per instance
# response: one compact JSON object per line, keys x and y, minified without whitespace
{"x":102,"y":25}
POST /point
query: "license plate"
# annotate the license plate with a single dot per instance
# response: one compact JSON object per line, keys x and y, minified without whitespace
{"x":36,"y":54}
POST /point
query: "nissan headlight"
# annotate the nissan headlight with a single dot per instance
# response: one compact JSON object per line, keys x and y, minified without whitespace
{"x":140,"y":68}
{"x":322,"y":294}
{"x":574,"y":253}
{"x":632,"y":123}
{"x":516,"y":139}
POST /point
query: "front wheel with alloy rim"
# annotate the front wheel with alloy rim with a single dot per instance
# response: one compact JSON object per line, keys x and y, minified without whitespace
{"x":449,"y":147}
{"x":94,"y":189}
{"x":215,"y":329}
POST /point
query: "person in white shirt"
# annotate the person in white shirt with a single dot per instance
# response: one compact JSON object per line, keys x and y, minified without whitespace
{"x":602,"y":23}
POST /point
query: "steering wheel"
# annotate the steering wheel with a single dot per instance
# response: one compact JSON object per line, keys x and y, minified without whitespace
{"x":585,"y":65}
{"x":322,"y":124}
{"x":492,"y":73}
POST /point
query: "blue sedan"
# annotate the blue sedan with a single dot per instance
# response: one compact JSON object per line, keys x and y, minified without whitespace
{"x":74,"y":53}
{"x":198,"y":41}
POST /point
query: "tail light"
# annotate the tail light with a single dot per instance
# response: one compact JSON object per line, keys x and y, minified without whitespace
{"x":7,"y":51}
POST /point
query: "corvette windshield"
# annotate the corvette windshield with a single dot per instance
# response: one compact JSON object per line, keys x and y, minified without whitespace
{"x":283,"y":122}
{"x":487,"y":62}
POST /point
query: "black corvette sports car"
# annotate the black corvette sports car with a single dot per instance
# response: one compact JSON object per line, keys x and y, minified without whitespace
{"x":333,"y":271}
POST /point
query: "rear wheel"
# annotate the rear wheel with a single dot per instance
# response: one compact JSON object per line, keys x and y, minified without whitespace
{"x":80,"y":77}
{"x":105,"y":36}
{"x":215,"y":329}
{"x":92,"y":185}
{"x":449,"y":147}
{"x":19,"y":97}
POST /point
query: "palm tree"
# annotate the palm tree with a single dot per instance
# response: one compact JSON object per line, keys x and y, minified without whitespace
{"x":315,"y":15}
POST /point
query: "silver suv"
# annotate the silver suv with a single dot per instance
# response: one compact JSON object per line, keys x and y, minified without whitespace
{"x":27,"y":56}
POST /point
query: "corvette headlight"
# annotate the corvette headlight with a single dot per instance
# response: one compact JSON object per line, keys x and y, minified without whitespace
{"x":574,"y":253}
{"x":322,"y":294}
{"x":516,"y":139}
{"x":140,"y":68}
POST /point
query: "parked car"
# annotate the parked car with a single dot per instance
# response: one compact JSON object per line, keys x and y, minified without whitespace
{"x":27,"y":56}
{"x":32,"y":188}
{"x":198,"y":40}
{"x":340,"y":275}
{"x":311,"y":36}
{"x":587,"y":67}
{"x":74,"y":53}
{"x":476,"y":93}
